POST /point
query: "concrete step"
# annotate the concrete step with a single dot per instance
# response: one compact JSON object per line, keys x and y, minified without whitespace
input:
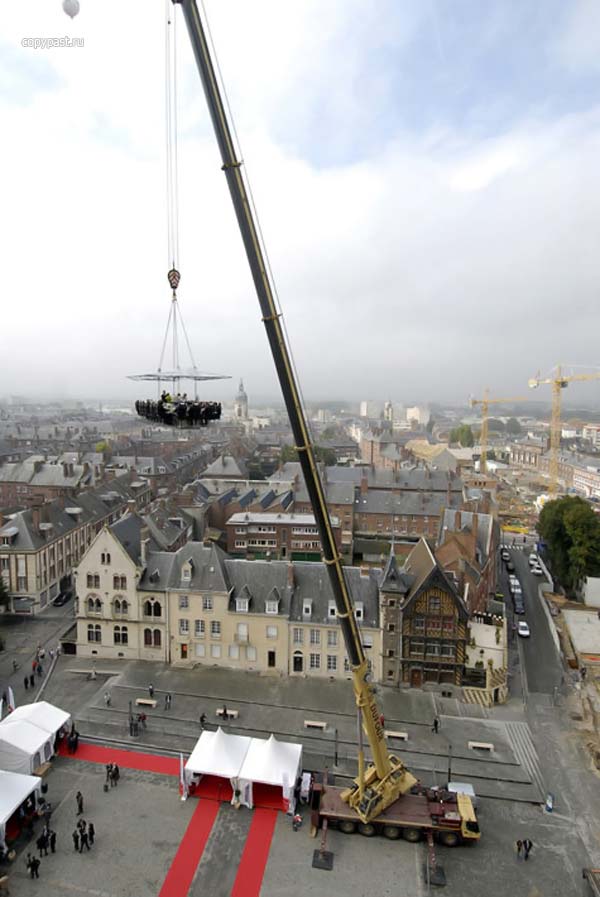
{"x":524,"y":748}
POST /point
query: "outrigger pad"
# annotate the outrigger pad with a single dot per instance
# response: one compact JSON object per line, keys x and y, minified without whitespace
{"x":437,"y":876}
{"x":322,"y":859}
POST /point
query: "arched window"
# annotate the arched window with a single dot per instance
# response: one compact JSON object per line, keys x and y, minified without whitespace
{"x":121,"y":606}
{"x":147,"y":609}
{"x":124,"y":607}
{"x":94,"y":632}
{"x":120,"y":635}
{"x":90,"y":605}
{"x":98,"y":606}
{"x":117,"y":606}
{"x":148,"y":638}
{"x":157,"y":638}
{"x":157,"y":611}
{"x":152,"y":608}
{"x":94,"y":604}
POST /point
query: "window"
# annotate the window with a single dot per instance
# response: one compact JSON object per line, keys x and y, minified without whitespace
{"x":183,"y":602}
{"x":315,"y":661}
{"x":207,"y":602}
{"x":234,"y":652}
{"x":119,"y":582}
{"x":184,"y":627}
{"x":241,"y":605}
{"x":199,"y":628}
{"x":200,"y":650}
{"x":331,"y":610}
{"x":94,"y":633}
{"x":251,"y":653}
{"x":435,"y":604}
{"x":307,"y":609}
{"x":215,"y":629}
{"x":418,"y":626}
{"x":22,"y":583}
{"x":105,"y":558}
{"x":271,"y":631}
{"x":272,"y":607}
{"x":120,"y":635}
{"x":392,"y":602}
{"x":147,"y":638}
{"x":367,"y":641}
{"x":156,"y":638}
{"x":186,"y":573}
{"x":94,"y":605}
{"x":449,"y":651}
{"x":315,"y":637}
{"x":432,"y":648}
{"x":215,"y":651}
{"x":417,"y":647}
{"x":346,"y":665}
{"x":239,"y":544}
{"x":93,"y":581}
{"x":448,"y":626}
{"x":4,"y":564}
{"x":298,"y":635}
{"x":331,"y":663}
{"x":332,"y":639}
{"x":359,"y":610}
{"x":391,"y":627}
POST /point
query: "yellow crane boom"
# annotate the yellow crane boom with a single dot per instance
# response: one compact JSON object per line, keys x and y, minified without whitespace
{"x":558,"y":381}
{"x":485,"y":403}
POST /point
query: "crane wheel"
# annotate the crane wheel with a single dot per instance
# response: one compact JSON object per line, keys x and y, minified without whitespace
{"x":449,"y":839}
{"x":411,"y":834}
{"x":347,"y":826}
{"x":392,"y":832}
{"x":367,"y":829}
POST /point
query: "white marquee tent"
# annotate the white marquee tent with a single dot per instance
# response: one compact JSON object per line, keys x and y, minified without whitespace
{"x":218,"y":754}
{"x":14,"y":790}
{"x":270,"y":762}
{"x":43,"y":715}
{"x":23,"y":746}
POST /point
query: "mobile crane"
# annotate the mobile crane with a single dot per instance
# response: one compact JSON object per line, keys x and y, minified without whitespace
{"x":377,"y":787}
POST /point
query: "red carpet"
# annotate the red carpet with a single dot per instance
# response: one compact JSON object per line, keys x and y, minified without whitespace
{"x":268,"y":796}
{"x":91,"y":753}
{"x":252,"y":866}
{"x":182,"y":869}
{"x":213,"y":788}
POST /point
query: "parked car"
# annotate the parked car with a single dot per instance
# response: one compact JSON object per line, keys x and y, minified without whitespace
{"x":537,"y":570}
{"x":62,"y":598}
{"x":505,"y":555}
{"x":523,"y":629}
{"x":519,"y":606}
{"x":533,"y":559}
{"x":510,"y":566}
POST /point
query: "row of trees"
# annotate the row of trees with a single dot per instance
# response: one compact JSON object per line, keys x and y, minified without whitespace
{"x":327,"y":456}
{"x":571,"y":530}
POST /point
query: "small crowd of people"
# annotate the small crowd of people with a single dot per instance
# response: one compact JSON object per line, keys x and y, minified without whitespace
{"x":83,"y":835}
{"x":179,"y":411}
{"x":113,"y":775}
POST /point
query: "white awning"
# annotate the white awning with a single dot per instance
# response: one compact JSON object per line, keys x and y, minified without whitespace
{"x":218,"y":754}
{"x":43,"y":715}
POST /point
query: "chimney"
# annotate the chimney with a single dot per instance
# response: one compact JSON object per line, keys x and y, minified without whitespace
{"x":364,"y":484}
{"x":35,"y":517}
{"x":144,"y":542}
{"x":449,"y":494}
{"x":290,"y":576}
{"x":65,"y":468}
{"x":475,"y":524}
{"x":457,"y":520}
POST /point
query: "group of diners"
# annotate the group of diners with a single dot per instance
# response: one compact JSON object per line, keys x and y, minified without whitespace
{"x":179,"y":411}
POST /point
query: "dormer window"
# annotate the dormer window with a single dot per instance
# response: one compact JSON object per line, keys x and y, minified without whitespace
{"x":359,"y":610}
{"x":272,"y":607}
{"x":241,"y":605}
{"x":186,"y":572}
{"x":307,"y":609}
{"x":331,"y":610}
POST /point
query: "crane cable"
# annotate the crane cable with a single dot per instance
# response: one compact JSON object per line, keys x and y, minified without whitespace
{"x":171,"y":142}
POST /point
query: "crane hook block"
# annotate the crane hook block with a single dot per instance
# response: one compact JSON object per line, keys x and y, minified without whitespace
{"x":174,"y":277}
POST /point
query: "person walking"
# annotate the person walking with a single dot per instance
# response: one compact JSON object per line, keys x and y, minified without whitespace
{"x":527,"y":845}
{"x":91,"y":833}
{"x":151,"y":690}
{"x":202,"y":720}
{"x":32,"y":681}
{"x":168,"y":701}
{"x":435,"y":727}
{"x":116,"y":774}
{"x":225,"y":714}
{"x":79,"y":799}
{"x":109,"y":769}
{"x":47,"y":812}
{"x":26,"y":682}
{"x":42,"y":844}
{"x":33,"y":865}
{"x":53,"y":842}
{"x":107,"y":699}
{"x":75,"y":837}
{"x":519,"y":849}
{"x":83,"y":840}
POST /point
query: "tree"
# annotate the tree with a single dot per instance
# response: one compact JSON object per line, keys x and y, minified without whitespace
{"x":329,"y":433}
{"x":571,"y":530}
{"x":4,"y":595}
{"x":513,"y":427}
{"x":326,"y":455}
{"x":288,"y":453}
{"x":463,"y":435}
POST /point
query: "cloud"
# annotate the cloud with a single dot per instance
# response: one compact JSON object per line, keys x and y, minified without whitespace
{"x":425,"y":259}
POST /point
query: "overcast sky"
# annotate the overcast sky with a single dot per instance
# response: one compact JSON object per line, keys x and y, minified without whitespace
{"x":427,"y":175}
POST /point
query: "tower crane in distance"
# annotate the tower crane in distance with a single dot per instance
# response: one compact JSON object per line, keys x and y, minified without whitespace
{"x":558,"y":381}
{"x":485,"y":403}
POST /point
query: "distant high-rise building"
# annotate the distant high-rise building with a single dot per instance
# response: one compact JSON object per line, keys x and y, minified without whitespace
{"x":240,"y":406}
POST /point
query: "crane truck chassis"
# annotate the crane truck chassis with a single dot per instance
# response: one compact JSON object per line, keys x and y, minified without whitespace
{"x":448,"y":817}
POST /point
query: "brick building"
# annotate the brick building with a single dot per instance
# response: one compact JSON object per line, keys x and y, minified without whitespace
{"x":36,"y":480}
{"x":281,"y":536}
{"x":467,"y":550}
